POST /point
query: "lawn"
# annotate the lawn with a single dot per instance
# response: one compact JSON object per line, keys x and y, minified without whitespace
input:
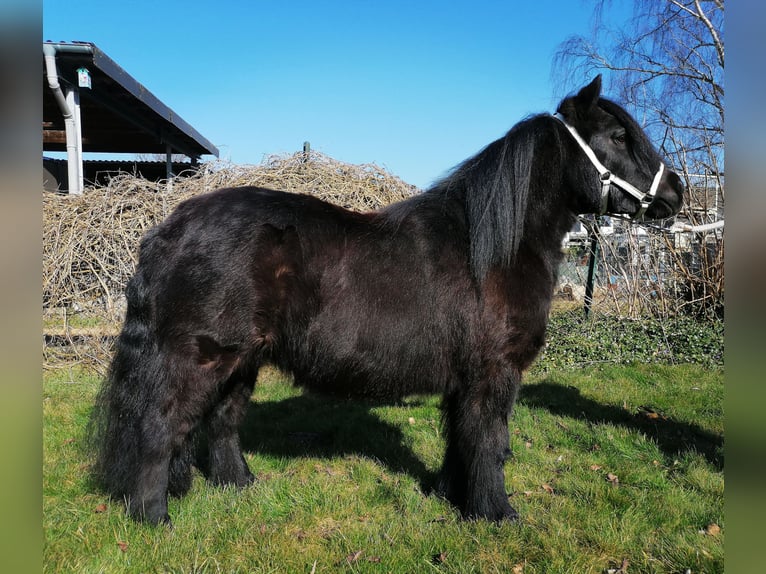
{"x":614,"y":466}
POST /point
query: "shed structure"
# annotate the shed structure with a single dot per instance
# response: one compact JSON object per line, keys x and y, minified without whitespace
{"x":90,"y":104}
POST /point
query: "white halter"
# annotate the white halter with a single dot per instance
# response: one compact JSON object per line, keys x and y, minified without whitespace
{"x":608,"y":178}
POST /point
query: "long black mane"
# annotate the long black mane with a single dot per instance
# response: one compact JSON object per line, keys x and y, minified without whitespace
{"x":494,"y":186}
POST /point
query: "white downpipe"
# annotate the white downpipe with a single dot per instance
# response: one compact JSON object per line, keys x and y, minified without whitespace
{"x":70,"y":109}
{"x":677,"y":227}
{"x":75,"y":167}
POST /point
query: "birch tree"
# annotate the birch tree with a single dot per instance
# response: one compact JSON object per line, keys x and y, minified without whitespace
{"x":666,"y":62}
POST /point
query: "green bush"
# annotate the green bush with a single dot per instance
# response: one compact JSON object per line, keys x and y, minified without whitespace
{"x":573,"y":341}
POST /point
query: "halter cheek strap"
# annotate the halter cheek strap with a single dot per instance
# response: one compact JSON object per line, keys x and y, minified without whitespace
{"x":608,"y":178}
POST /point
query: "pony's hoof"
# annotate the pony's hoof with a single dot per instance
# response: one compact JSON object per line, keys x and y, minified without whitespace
{"x":510,"y":515}
{"x":154,"y":516}
{"x":165,"y":521}
{"x":502,"y":513}
{"x":161,"y":520}
{"x":240,"y":480}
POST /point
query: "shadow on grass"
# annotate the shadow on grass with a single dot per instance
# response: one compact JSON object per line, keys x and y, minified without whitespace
{"x":317,"y":426}
{"x":673,"y":437}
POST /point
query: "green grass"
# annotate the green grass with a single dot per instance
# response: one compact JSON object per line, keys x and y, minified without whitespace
{"x":342,"y":486}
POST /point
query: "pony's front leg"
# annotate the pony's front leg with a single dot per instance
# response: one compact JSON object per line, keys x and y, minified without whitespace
{"x":476,"y":423}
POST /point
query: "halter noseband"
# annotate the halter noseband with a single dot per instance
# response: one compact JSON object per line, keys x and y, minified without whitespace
{"x":608,"y":178}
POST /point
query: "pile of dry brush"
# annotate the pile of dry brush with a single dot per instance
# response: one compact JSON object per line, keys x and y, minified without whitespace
{"x":90,"y":241}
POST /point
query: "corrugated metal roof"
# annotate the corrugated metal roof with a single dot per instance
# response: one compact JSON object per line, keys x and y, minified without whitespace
{"x":119,"y":114}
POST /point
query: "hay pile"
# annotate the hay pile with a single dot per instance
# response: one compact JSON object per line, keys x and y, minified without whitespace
{"x":90,"y":241}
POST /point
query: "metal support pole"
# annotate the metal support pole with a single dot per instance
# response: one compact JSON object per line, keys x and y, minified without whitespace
{"x":168,"y":162}
{"x":169,"y":167}
{"x":593,"y":232}
{"x":306,"y":152}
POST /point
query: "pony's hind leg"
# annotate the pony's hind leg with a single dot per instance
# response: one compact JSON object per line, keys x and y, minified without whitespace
{"x":131,"y":429}
{"x":226,"y":464}
{"x":188,"y":384}
{"x":164,"y":464}
{"x":148,"y":501}
{"x":476,"y":422}
{"x":180,"y":469}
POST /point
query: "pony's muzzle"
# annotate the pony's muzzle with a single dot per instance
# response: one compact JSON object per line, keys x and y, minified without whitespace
{"x":669,"y":198}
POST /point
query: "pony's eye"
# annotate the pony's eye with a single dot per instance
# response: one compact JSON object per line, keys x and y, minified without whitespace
{"x":619,"y":138}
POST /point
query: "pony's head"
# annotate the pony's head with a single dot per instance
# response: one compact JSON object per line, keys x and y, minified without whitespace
{"x":622,"y":171}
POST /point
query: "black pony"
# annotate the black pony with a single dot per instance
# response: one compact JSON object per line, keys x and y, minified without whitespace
{"x":446,"y":292}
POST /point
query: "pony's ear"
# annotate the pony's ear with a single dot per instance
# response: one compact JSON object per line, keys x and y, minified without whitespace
{"x":588,"y":96}
{"x":579,"y":106}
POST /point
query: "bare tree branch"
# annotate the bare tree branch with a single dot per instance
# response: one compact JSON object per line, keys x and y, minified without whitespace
{"x":667,"y":63}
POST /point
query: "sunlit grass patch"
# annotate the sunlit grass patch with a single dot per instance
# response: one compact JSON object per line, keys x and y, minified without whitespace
{"x":610,"y":463}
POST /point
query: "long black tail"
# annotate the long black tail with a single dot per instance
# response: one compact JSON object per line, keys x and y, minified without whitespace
{"x":134,"y":381}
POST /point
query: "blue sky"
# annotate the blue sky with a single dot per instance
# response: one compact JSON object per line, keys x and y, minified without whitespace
{"x":414,"y":86}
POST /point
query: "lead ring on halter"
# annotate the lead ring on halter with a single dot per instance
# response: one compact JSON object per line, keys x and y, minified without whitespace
{"x":608,"y":178}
